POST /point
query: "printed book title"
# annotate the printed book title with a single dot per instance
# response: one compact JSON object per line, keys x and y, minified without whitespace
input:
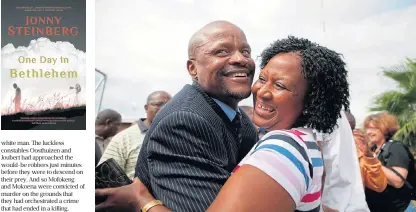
{"x":40,"y":73}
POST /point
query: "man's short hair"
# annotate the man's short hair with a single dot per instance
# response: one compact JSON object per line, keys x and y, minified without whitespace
{"x":105,"y":115}
{"x":155,"y":93}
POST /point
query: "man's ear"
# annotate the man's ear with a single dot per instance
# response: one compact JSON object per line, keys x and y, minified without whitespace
{"x":190,"y":65}
{"x":145,"y":107}
{"x":108,"y":121}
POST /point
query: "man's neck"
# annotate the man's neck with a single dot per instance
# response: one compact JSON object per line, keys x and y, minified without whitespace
{"x":147,"y":123}
{"x":97,"y":132}
{"x":231,"y":103}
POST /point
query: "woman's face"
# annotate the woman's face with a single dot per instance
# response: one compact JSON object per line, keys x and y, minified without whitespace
{"x":374,"y":134}
{"x":279,"y":92}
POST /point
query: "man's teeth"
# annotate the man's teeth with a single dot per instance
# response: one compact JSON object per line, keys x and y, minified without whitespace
{"x":265,"y":108}
{"x":239,"y":75}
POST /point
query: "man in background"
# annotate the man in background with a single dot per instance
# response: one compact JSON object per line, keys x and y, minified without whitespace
{"x":155,"y":101}
{"x":351,"y":119}
{"x":124,"y":147}
{"x":107,"y":125}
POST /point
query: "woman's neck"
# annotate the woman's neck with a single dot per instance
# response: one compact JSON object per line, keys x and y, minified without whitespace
{"x":379,"y":145}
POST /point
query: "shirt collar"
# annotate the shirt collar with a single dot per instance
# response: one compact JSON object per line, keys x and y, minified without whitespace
{"x":262,"y":130}
{"x":99,"y":137}
{"x":143,"y":128}
{"x":227,"y":109}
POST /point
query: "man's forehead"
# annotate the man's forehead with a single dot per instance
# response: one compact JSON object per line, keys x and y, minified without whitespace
{"x":158,"y":97}
{"x":215,"y":32}
{"x":219,"y":32}
{"x":219,"y":39}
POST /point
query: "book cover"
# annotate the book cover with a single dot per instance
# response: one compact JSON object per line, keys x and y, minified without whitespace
{"x":43,"y":65}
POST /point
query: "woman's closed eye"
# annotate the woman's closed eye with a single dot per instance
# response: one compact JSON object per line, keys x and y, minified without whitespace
{"x":277,"y":85}
{"x":262,"y":79}
{"x":280,"y":86}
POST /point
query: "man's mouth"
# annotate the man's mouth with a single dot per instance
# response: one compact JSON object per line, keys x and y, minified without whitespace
{"x":241,"y":72}
{"x":239,"y":75}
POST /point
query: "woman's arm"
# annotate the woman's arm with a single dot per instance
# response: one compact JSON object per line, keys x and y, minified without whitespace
{"x":399,"y":161}
{"x":392,"y":178}
{"x":129,"y":198}
{"x":275,"y":177}
{"x":249,"y":189}
{"x":374,"y":177}
{"x":371,"y":168}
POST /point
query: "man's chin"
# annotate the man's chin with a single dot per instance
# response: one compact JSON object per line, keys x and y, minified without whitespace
{"x":236,"y":91}
{"x":239,"y":95}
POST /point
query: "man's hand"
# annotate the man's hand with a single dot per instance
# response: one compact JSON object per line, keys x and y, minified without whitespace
{"x":362,"y":143}
{"x":126,"y":198}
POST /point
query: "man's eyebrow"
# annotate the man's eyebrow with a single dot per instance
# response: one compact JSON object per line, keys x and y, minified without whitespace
{"x":246,"y":45}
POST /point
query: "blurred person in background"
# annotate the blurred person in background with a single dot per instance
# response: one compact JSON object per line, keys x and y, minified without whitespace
{"x":395,"y":157}
{"x":107,"y":124}
{"x":155,"y":101}
{"x":371,"y":168}
{"x":351,"y":119}
{"x":124,"y":147}
{"x":371,"y":172}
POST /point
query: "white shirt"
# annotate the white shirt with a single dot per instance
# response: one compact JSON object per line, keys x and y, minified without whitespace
{"x":343,"y":188}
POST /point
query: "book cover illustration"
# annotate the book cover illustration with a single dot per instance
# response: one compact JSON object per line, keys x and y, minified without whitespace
{"x":43,"y":65}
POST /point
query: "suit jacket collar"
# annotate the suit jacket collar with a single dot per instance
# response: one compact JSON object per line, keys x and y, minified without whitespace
{"x":211,"y":102}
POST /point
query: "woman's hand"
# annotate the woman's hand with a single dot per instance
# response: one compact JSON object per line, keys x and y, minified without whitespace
{"x":144,"y":196}
{"x":361,"y":141}
{"x":126,"y":198}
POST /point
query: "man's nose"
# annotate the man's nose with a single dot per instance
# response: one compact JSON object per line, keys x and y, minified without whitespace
{"x":238,"y":58}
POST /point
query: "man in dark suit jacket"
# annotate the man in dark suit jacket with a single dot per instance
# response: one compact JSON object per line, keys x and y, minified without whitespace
{"x":199,"y":137}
